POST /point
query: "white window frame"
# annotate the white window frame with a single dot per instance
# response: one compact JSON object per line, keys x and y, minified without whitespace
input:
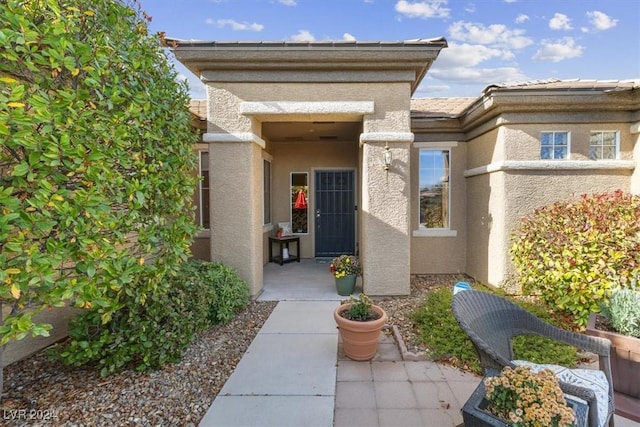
{"x":421,"y":230}
{"x":617,"y":143}
{"x":553,"y":133}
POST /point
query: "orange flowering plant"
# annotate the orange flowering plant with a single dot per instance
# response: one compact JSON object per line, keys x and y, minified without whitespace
{"x":527,"y":399}
{"x":345,"y":265}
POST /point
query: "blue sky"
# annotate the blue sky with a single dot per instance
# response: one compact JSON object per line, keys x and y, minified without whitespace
{"x":490,"y":41}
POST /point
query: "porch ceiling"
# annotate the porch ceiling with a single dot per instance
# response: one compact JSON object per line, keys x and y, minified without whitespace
{"x":311,"y":131}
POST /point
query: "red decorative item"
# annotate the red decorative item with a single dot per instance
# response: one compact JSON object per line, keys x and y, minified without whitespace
{"x":301,"y":201}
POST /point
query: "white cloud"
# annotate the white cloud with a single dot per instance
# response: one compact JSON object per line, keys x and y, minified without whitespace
{"x":483,"y":76}
{"x":522,"y":18}
{"x":496,"y":35}
{"x":560,"y":22}
{"x":423,"y":9}
{"x":471,"y":8}
{"x":466,"y":55}
{"x":235,"y":25}
{"x":559,"y":50}
{"x":348,"y":37}
{"x":303,"y":36}
{"x":288,"y":2}
{"x":510,"y":1}
{"x":426,"y":90}
{"x":601,"y":21}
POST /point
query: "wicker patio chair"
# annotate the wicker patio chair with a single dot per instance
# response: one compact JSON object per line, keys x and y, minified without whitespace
{"x":491,"y":322}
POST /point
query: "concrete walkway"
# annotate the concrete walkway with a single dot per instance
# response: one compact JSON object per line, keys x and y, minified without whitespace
{"x":288,"y":377}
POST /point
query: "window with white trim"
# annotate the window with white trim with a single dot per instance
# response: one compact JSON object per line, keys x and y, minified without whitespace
{"x":204,"y":190}
{"x":434,"y":191}
{"x":266,"y":191}
{"x":554,"y":145}
{"x":604,"y":145}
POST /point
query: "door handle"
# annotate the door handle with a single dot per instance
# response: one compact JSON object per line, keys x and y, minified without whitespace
{"x":317,"y":213}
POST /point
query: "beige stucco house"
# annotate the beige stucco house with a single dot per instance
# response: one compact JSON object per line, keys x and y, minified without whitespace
{"x":410,"y":185}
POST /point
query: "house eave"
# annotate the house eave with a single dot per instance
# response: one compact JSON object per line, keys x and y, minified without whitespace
{"x":205,"y":58}
{"x":495,"y":103}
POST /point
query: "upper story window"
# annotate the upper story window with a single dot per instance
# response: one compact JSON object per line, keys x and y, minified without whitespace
{"x":204,"y":190}
{"x":434,"y":196}
{"x":266,"y":191}
{"x":604,"y":145}
{"x":554,"y":145}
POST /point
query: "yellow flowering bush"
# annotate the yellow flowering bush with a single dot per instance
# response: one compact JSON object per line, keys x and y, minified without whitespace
{"x":527,"y":399}
{"x":345,"y":265}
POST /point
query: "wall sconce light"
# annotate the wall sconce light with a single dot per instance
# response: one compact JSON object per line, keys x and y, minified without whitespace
{"x":387,"y":157}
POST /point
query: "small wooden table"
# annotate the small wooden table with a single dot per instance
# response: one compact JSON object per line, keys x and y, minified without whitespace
{"x":282,"y":243}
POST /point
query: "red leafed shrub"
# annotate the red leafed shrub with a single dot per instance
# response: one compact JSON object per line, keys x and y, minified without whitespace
{"x":573,"y":252}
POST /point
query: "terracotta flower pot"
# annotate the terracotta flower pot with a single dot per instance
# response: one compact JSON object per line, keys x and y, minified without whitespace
{"x":360,"y":339}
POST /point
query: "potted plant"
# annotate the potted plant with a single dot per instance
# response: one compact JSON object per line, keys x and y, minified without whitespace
{"x":345,"y":269}
{"x":359,"y":323}
{"x":519,"y":397}
{"x":619,"y":322}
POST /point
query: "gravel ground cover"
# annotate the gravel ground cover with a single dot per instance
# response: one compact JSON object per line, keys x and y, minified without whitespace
{"x":51,"y":394}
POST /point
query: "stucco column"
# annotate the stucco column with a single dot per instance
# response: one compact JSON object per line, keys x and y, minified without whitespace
{"x":236,"y":203}
{"x":385,"y":241}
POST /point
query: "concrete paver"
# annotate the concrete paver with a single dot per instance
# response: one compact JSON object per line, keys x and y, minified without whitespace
{"x":405,"y":393}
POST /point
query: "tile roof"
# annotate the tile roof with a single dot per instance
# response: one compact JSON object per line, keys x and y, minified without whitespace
{"x":297,"y":44}
{"x":198,"y":107}
{"x":439,"y":107}
{"x":574,"y":84}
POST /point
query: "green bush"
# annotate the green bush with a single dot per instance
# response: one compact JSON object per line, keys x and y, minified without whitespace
{"x":150,"y":335}
{"x":440,"y":332}
{"x":573,"y":252}
{"x":231,"y":292}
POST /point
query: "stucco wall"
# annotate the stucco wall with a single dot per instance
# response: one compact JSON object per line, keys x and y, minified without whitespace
{"x":385,"y":227}
{"x":391,"y":102}
{"x":385,"y":232}
{"x":522,"y":141}
{"x":479,"y":219}
{"x":236,"y":194}
{"x":483,"y":149}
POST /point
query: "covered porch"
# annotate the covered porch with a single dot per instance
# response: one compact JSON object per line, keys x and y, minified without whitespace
{"x":314,"y":118}
{"x":308,"y":280}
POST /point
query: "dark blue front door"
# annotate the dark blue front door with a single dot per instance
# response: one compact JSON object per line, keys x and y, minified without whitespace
{"x":335,"y":213}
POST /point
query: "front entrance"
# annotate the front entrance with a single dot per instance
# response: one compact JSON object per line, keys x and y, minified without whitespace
{"x":335,"y":213}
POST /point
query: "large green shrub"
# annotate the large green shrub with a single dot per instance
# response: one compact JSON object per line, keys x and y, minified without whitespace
{"x":148,"y":336}
{"x":95,"y":162}
{"x":573,"y":252}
